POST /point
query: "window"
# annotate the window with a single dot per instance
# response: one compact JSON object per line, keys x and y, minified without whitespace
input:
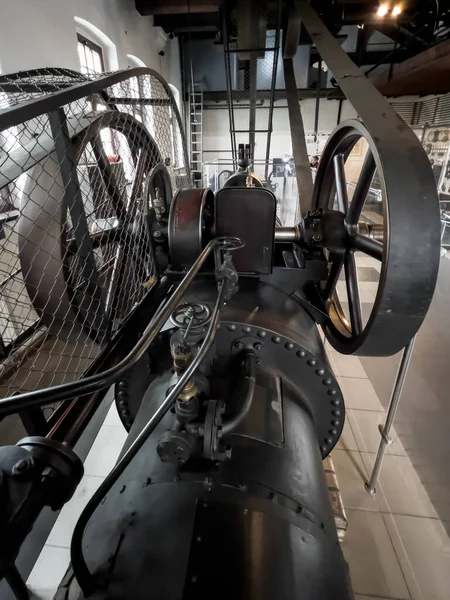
{"x":91,"y":56}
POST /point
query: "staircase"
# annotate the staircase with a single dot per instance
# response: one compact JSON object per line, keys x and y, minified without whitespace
{"x":196,"y":143}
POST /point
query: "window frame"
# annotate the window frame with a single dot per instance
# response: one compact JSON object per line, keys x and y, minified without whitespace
{"x":81,"y":39}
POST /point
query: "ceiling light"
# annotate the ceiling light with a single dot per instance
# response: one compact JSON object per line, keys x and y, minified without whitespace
{"x":383,"y":10}
{"x":396,"y":10}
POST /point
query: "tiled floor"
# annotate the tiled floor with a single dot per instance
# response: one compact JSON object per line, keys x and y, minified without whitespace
{"x":54,"y":558}
{"x":423,"y":416}
{"x":396,"y":546}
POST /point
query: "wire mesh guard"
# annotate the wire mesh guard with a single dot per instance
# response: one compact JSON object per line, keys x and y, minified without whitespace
{"x":75,"y":198}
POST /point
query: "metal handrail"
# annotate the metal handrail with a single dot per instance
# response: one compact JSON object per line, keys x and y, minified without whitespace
{"x":374,"y":191}
{"x":83,"y":575}
{"x":31,"y":109}
{"x":94,"y":383}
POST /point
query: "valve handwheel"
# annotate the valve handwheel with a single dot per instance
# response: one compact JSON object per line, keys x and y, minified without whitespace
{"x":405,"y":244}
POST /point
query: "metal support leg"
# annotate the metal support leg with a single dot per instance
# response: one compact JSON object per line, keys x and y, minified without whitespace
{"x":392,"y":409}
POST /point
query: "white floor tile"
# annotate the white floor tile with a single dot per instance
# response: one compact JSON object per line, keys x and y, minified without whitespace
{"x":372,"y":286}
{"x":364,"y":424}
{"x":366,"y":294}
{"x":347,"y":440}
{"x":351,"y":475}
{"x":374,"y":568}
{"x":61,"y":534}
{"x":399,"y":489}
{"x":359,"y":393}
{"x":364,"y":597}
{"x":423,"y":549}
{"x":346,"y":366}
{"x":361,"y":597}
{"x":112,"y":418}
{"x":105,"y":451}
{"x":48,"y":571}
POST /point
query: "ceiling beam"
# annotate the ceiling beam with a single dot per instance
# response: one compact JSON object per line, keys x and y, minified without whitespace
{"x":403,"y":37}
{"x":172,"y":7}
{"x":371,"y":57}
{"x":425,"y":73}
{"x":197,"y":22}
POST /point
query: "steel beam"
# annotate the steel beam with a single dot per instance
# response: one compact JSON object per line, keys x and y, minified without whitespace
{"x":302,"y":167}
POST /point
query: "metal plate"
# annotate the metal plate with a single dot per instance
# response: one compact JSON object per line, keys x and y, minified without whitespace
{"x":249,"y":214}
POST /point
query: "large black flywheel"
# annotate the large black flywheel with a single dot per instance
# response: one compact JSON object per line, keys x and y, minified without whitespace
{"x":383,"y":242}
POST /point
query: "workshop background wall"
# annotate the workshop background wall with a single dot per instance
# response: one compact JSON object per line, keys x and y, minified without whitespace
{"x":41,"y":33}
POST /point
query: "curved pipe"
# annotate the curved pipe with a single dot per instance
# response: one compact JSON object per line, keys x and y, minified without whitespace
{"x":96,"y":382}
{"x":249,"y":376}
{"x":83,"y":575}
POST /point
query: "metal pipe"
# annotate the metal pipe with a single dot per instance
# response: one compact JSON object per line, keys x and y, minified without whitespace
{"x":367,"y":230}
{"x":392,"y":409}
{"x":81,"y":571}
{"x":272,"y":88}
{"x":249,"y":376}
{"x":253,"y":73}
{"x":287,"y":234}
{"x":96,"y":382}
{"x":317,"y":110}
{"x":372,"y":231}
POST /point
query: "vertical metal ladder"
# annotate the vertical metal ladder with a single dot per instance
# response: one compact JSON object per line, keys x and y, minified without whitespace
{"x":196,"y":116}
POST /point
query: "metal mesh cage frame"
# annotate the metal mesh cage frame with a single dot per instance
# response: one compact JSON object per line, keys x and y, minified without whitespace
{"x":77,"y":156}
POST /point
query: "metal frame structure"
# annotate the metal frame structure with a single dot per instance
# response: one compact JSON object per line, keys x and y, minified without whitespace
{"x":57,"y":88}
{"x":252,"y":94}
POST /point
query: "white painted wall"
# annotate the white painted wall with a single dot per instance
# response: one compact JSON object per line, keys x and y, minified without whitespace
{"x":41,"y":33}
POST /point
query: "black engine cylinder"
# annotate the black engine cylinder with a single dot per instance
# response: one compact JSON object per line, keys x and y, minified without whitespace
{"x":257,"y":525}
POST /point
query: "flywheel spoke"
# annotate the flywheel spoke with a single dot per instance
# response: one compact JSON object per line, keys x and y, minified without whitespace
{"x":362,"y":189}
{"x":341,"y":183}
{"x":371,"y":247}
{"x":354,"y":301}
{"x":333,"y":278}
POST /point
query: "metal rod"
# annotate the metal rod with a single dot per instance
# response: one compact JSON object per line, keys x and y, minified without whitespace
{"x":229,"y":89}
{"x":272,"y":89}
{"x":317,"y":110}
{"x":253,"y":74}
{"x":82,"y":573}
{"x":353,"y":296}
{"x":96,"y":382}
{"x":287,"y":234}
{"x":341,"y":183}
{"x":392,"y":409}
{"x":339,"y":112}
{"x":367,"y":245}
{"x":235,"y":50}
